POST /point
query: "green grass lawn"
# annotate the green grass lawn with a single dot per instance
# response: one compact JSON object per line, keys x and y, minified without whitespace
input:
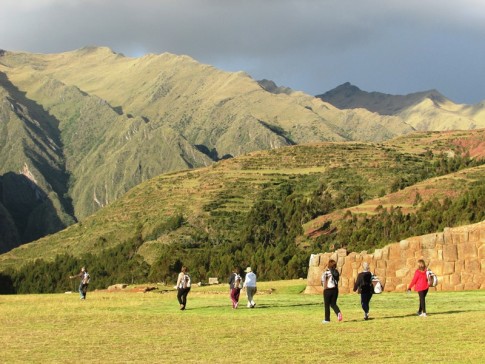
{"x":285,"y":327}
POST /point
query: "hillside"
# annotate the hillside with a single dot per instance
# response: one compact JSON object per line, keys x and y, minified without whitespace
{"x":90,"y":124}
{"x":426,"y":111}
{"x":221,"y":214}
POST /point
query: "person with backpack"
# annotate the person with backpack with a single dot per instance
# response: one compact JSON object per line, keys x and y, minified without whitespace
{"x":364,"y":286}
{"x":421,"y":285}
{"x":330,"y":280}
{"x":83,"y":285}
{"x":183,"y":287}
{"x":235,"y":285}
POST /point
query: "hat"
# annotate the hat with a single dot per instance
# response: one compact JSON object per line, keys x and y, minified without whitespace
{"x":248,"y":269}
{"x":365,"y":266}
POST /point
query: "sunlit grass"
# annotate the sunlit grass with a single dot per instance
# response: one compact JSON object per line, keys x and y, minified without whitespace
{"x":285,"y":326}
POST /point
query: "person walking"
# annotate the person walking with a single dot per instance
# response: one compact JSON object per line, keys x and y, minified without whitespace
{"x":363,"y":285}
{"x":330,"y":280}
{"x":421,"y":285}
{"x":250,"y":286}
{"x":83,"y":284}
{"x":235,"y":287}
{"x":183,"y":287}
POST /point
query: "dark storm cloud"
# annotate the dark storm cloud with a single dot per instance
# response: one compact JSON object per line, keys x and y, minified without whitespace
{"x":388,"y":46}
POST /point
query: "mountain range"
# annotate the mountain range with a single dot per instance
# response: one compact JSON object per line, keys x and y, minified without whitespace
{"x":79,"y":129}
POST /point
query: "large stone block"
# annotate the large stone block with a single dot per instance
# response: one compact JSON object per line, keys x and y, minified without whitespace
{"x":467,"y":251}
{"x":474,"y":235}
{"x":447,"y":238}
{"x":346,"y":270}
{"x":324,"y":260}
{"x":459,"y":287}
{"x":414,"y":243}
{"x":448,"y":287}
{"x":380,"y":272}
{"x":478,"y":278}
{"x":427,"y":254}
{"x":471,"y":285}
{"x":472,"y":266}
{"x":394,"y":252}
{"x":395,"y":265}
{"x":378,"y":254}
{"x":459,"y":236}
{"x":314,"y":260}
{"x":404,"y":244}
{"x":314,"y":276}
{"x":381,"y":264}
{"x":450,"y":253}
{"x":448,"y":267}
{"x":402,"y":273}
{"x":455,"y":279}
{"x":437,"y":267}
{"x":459,"y":265}
{"x":428,"y":241}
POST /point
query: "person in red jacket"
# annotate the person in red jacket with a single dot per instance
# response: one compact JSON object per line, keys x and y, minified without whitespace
{"x":420,"y":284}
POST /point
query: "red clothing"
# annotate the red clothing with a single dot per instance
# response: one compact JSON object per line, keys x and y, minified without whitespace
{"x":420,"y":279}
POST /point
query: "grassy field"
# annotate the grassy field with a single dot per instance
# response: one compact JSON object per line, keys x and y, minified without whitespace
{"x":285,"y":327}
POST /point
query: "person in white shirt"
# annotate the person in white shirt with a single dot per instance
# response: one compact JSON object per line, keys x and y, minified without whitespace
{"x":250,"y":285}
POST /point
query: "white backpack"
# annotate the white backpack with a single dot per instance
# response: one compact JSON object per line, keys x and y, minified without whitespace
{"x":378,"y":288}
{"x":432,"y":278}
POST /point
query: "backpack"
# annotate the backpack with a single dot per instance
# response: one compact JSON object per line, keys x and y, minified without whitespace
{"x":237,"y":281}
{"x":432,"y":278}
{"x":378,"y":287}
{"x":333,"y":278}
{"x":186,"y":281}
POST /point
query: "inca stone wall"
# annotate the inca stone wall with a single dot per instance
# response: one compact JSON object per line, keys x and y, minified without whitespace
{"x":456,"y":255}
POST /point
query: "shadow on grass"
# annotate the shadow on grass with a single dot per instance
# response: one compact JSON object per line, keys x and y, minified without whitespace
{"x":257,"y":307}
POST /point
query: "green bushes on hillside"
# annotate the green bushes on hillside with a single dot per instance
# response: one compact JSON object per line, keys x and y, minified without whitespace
{"x":358,"y":232}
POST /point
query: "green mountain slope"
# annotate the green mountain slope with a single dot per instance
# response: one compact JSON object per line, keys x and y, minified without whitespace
{"x":90,"y":124}
{"x":218,"y":206}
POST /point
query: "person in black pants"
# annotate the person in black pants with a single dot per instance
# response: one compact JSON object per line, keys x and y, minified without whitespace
{"x":183,"y":287}
{"x":330,"y":280}
{"x":364,"y":286}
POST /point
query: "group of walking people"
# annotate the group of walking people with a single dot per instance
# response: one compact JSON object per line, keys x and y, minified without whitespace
{"x":236,"y":284}
{"x":364,"y":285}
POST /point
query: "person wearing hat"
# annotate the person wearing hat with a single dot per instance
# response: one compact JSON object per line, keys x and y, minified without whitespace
{"x":250,"y":285}
{"x":363,"y":285}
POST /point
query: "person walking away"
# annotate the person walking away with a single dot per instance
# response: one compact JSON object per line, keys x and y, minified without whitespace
{"x":330,"y":280}
{"x":183,"y":287}
{"x":235,"y":287}
{"x":363,"y":285}
{"x":83,"y":285}
{"x":421,"y":285}
{"x":250,"y":286}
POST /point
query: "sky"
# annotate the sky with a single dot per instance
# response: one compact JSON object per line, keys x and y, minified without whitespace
{"x":390,"y":46}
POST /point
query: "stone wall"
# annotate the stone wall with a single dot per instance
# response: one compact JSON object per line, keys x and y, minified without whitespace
{"x":456,"y":255}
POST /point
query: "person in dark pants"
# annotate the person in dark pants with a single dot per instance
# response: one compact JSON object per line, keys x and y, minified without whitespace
{"x":83,"y":285}
{"x":421,"y":285}
{"x":330,"y":280}
{"x":183,"y":287}
{"x":235,"y":285}
{"x":364,"y":286}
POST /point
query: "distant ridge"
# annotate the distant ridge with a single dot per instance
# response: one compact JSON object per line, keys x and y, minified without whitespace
{"x":427,"y":110}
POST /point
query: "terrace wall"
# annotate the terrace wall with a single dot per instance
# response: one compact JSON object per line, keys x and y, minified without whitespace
{"x":456,"y":255}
